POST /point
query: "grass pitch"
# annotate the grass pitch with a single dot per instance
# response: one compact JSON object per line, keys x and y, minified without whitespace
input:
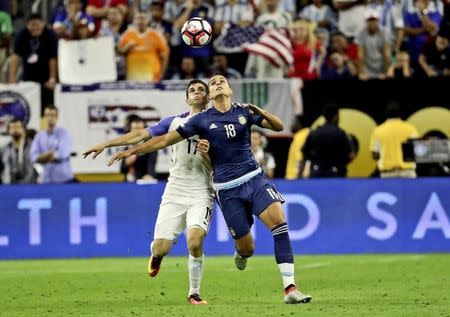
{"x":367,"y":285}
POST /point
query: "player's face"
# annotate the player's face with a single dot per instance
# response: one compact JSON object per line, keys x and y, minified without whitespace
{"x":218,"y":85}
{"x":197,"y":95}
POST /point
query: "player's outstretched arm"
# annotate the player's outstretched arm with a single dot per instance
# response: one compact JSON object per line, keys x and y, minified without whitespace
{"x":131,"y":137}
{"x":271,"y":121}
{"x":152,"y":145}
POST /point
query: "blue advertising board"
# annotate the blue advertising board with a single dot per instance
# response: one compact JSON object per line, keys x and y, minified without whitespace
{"x":324,"y":216}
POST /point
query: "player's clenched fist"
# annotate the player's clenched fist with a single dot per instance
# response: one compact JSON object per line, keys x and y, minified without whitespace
{"x":96,"y":149}
{"x":203,"y":146}
{"x":254,"y":108}
{"x":119,"y":156}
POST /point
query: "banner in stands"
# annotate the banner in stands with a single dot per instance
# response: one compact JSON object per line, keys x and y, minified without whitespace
{"x":97,"y":112}
{"x":324,"y":216}
{"x":22,"y":101}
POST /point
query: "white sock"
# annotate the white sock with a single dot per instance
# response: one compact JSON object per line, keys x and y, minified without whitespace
{"x":287,"y":273}
{"x":195,"y":266}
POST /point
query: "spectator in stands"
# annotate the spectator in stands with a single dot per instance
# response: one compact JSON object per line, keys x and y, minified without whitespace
{"x":113,"y":26}
{"x":422,"y":19}
{"x":271,"y":17}
{"x":52,"y":148}
{"x":320,"y":13}
{"x":171,"y":9}
{"x":99,"y":9}
{"x":220,"y":67}
{"x":139,"y":167}
{"x":308,"y":52}
{"x":400,"y":67}
{"x":386,"y":144}
{"x":81,"y":31}
{"x":238,"y":12}
{"x":156,"y":19}
{"x":350,"y":16}
{"x":36,"y":47}
{"x":328,"y":148}
{"x":340,"y":44}
{"x":295,"y":156}
{"x":289,"y":6}
{"x":265,"y":159}
{"x":6,"y":31}
{"x":391,"y":20}
{"x":435,"y":56}
{"x":374,"y":48}
{"x":146,"y":51}
{"x":339,"y":67}
{"x":67,"y":20}
{"x":202,"y":55}
{"x":445,"y":23}
{"x":188,"y":70}
{"x":15,"y":156}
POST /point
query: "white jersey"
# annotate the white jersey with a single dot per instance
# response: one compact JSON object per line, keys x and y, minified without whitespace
{"x":190,"y":173}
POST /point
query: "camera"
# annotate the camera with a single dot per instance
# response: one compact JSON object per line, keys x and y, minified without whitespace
{"x":430,"y":150}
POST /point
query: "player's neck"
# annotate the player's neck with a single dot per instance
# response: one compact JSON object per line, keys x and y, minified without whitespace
{"x":222,"y":103}
{"x":196,"y":109}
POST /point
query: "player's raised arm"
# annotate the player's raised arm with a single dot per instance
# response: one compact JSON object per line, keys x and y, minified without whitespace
{"x":270,"y":121}
{"x":152,"y":145}
{"x":131,"y":137}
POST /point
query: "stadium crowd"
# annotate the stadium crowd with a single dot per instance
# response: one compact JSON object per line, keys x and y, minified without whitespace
{"x":331,"y":40}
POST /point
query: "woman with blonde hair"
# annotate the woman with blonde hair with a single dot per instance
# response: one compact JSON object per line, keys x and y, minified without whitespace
{"x":308,"y":52}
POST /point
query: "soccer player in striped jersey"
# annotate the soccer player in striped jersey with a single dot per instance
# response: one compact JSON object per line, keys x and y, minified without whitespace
{"x":240,"y":185}
{"x":188,"y":197}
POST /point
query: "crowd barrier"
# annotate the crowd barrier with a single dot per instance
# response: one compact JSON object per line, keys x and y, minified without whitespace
{"x":325,"y":217}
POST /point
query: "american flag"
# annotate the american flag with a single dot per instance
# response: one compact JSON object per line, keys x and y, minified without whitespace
{"x":272,"y":44}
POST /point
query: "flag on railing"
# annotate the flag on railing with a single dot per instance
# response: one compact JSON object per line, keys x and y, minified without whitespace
{"x":273,"y":44}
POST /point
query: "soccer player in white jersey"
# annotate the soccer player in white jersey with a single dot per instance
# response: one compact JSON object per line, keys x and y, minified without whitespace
{"x":242,"y":190}
{"x":188,"y":197}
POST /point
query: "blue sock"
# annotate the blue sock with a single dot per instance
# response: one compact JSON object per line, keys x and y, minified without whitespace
{"x":283,"y":254}
{"x":282,"y":244}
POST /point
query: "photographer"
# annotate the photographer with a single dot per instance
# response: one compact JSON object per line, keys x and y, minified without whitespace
{"x":386,"y":145}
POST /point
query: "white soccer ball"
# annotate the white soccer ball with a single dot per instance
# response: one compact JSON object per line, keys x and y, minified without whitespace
{"x":196,"y":32}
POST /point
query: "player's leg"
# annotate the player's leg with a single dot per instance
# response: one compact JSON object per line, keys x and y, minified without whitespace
{"x":198,"y":218}
{"x":239,"y":221}
{"x":268,"y":200}
{"x":169,"y":223}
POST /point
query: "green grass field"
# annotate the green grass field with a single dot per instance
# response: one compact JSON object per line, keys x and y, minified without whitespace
{"x":367,"y":285}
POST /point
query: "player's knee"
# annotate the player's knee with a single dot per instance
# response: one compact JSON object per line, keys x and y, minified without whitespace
{"x":195,"y":246}
{"x":247,"y":250}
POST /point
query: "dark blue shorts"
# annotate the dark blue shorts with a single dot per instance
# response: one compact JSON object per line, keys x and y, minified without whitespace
{"x":240,"y":203}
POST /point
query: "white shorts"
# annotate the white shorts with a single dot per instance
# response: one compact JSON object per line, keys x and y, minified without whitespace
{"x":174,"y":217}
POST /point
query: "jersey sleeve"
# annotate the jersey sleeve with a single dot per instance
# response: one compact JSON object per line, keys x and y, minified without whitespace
{"x":191,"y":127}
{"x":161,"y":128}
{"x":255,"y":119}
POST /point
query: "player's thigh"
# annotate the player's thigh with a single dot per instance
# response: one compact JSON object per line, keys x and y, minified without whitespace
{"x":273,"y":215}
{"x":171,"y":220}
{"x":266,"y":198}
{"x":236,"y":212}
{"x":199,"y":214}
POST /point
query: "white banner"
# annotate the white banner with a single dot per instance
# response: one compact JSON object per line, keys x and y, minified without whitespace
{"x":87,"y":61}
{"x":97,"y":112}
{"x":22,"y":101}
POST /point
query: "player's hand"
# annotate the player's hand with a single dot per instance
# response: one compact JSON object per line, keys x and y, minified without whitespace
{"x":96,"y":149}
{"x":254,"y":108}
{"x":119,"y":156}
{"x":203,"y":146}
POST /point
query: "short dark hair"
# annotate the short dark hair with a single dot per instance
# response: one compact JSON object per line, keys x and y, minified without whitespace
{"x":392,"y":110}
{"x":300,"y":119}
{"x":329,"y":111}
{"x":157,"y":3}
{"x":15,"y":120}
{"x":196,"y":81}
{"x":51,"y":107}
{"x":34,"y":16}
{"x":136,"y":118}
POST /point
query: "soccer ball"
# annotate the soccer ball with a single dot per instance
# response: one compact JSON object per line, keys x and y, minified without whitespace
{"x":196,"y":32}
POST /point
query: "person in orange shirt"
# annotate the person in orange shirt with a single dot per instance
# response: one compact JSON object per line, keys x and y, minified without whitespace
{"x":146,"y":51}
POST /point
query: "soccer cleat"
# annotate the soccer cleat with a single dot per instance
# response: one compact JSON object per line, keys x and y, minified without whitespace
{"x":293,"y":296}
{"x":153,"y":266}
{"x":241,"y":262}
{"x":195,"y":299}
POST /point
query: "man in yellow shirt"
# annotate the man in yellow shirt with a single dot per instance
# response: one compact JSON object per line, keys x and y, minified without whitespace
{"x":386,"y":145}
{"x":146,"y":51}
{"x":295,"y":155}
